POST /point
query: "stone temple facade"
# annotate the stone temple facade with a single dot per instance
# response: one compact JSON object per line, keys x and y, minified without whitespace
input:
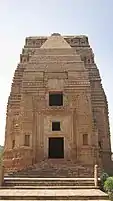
{"x":57,"y":109}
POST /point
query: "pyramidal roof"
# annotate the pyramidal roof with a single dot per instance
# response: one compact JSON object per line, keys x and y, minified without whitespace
{"x":55,"y":41}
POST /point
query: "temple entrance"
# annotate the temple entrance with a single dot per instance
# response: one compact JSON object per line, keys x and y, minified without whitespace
{"x":56,"y":147}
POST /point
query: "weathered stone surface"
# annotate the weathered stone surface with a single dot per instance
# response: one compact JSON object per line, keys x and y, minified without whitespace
{"x":65,"y":64}
{"x":1,"y":175}
{"x":51,"y":189}
{"x":55,"y":41}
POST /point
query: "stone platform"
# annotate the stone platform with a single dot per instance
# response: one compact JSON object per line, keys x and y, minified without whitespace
{"x":51,"y":189}
{"x":49,"y":194}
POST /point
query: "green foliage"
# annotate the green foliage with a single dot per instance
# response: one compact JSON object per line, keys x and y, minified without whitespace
{"x":108,"y":185}
{"x":103,"y":178}
{"x":1,"y":148}
{"x":1,"y":153}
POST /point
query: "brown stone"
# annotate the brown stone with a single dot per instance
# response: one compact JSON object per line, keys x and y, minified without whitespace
{"x":1,"y":175}
{"x":56,"y":64}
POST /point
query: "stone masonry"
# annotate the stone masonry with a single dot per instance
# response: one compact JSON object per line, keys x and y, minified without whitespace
{"x":57,"y":64}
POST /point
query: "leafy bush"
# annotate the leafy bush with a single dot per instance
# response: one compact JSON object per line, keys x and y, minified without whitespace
{"x":108,"y":186}
{"x":1,"y":148}
{"x":0,"y":158}
{"x":103,"y":178}
{"x":1,"y":154}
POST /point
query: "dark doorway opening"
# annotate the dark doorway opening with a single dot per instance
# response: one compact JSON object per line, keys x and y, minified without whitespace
{"x":56,"y":147}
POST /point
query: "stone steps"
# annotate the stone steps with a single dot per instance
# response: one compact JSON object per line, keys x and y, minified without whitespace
{"x":52,"y":200}
{"x":53,"y":168}
{"x":49,"y":182}
{"x":48,"y":187}
{"x":50,"y":174}
{"x":51,"y":189}
{"x":50,"y":194}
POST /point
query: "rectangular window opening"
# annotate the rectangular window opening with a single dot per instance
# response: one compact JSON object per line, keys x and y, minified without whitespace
{"x":27,"y":140}
{"x":56,"y":126}
{"x":55,"y":99}
{"x":85,"y":139}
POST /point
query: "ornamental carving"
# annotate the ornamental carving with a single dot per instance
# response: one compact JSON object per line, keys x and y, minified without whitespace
{"x":35,"y":42}
{"x":29,"y":51}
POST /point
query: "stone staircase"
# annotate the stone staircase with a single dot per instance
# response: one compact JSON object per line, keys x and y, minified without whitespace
{"x":28,"y":184}
{"x":55,"y":168}
{"x":50,"y":189}
{"x":48,"y":182}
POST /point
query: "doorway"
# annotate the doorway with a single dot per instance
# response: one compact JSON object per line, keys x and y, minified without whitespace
{"x":56,"y":147}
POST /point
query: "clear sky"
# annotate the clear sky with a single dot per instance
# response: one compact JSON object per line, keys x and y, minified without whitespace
{"x":21,"y":18}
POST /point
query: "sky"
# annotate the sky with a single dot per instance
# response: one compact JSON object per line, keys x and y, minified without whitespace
{"x":22,"y":18}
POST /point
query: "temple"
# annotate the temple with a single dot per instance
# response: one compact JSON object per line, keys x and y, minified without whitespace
{"x":57,"y":112}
